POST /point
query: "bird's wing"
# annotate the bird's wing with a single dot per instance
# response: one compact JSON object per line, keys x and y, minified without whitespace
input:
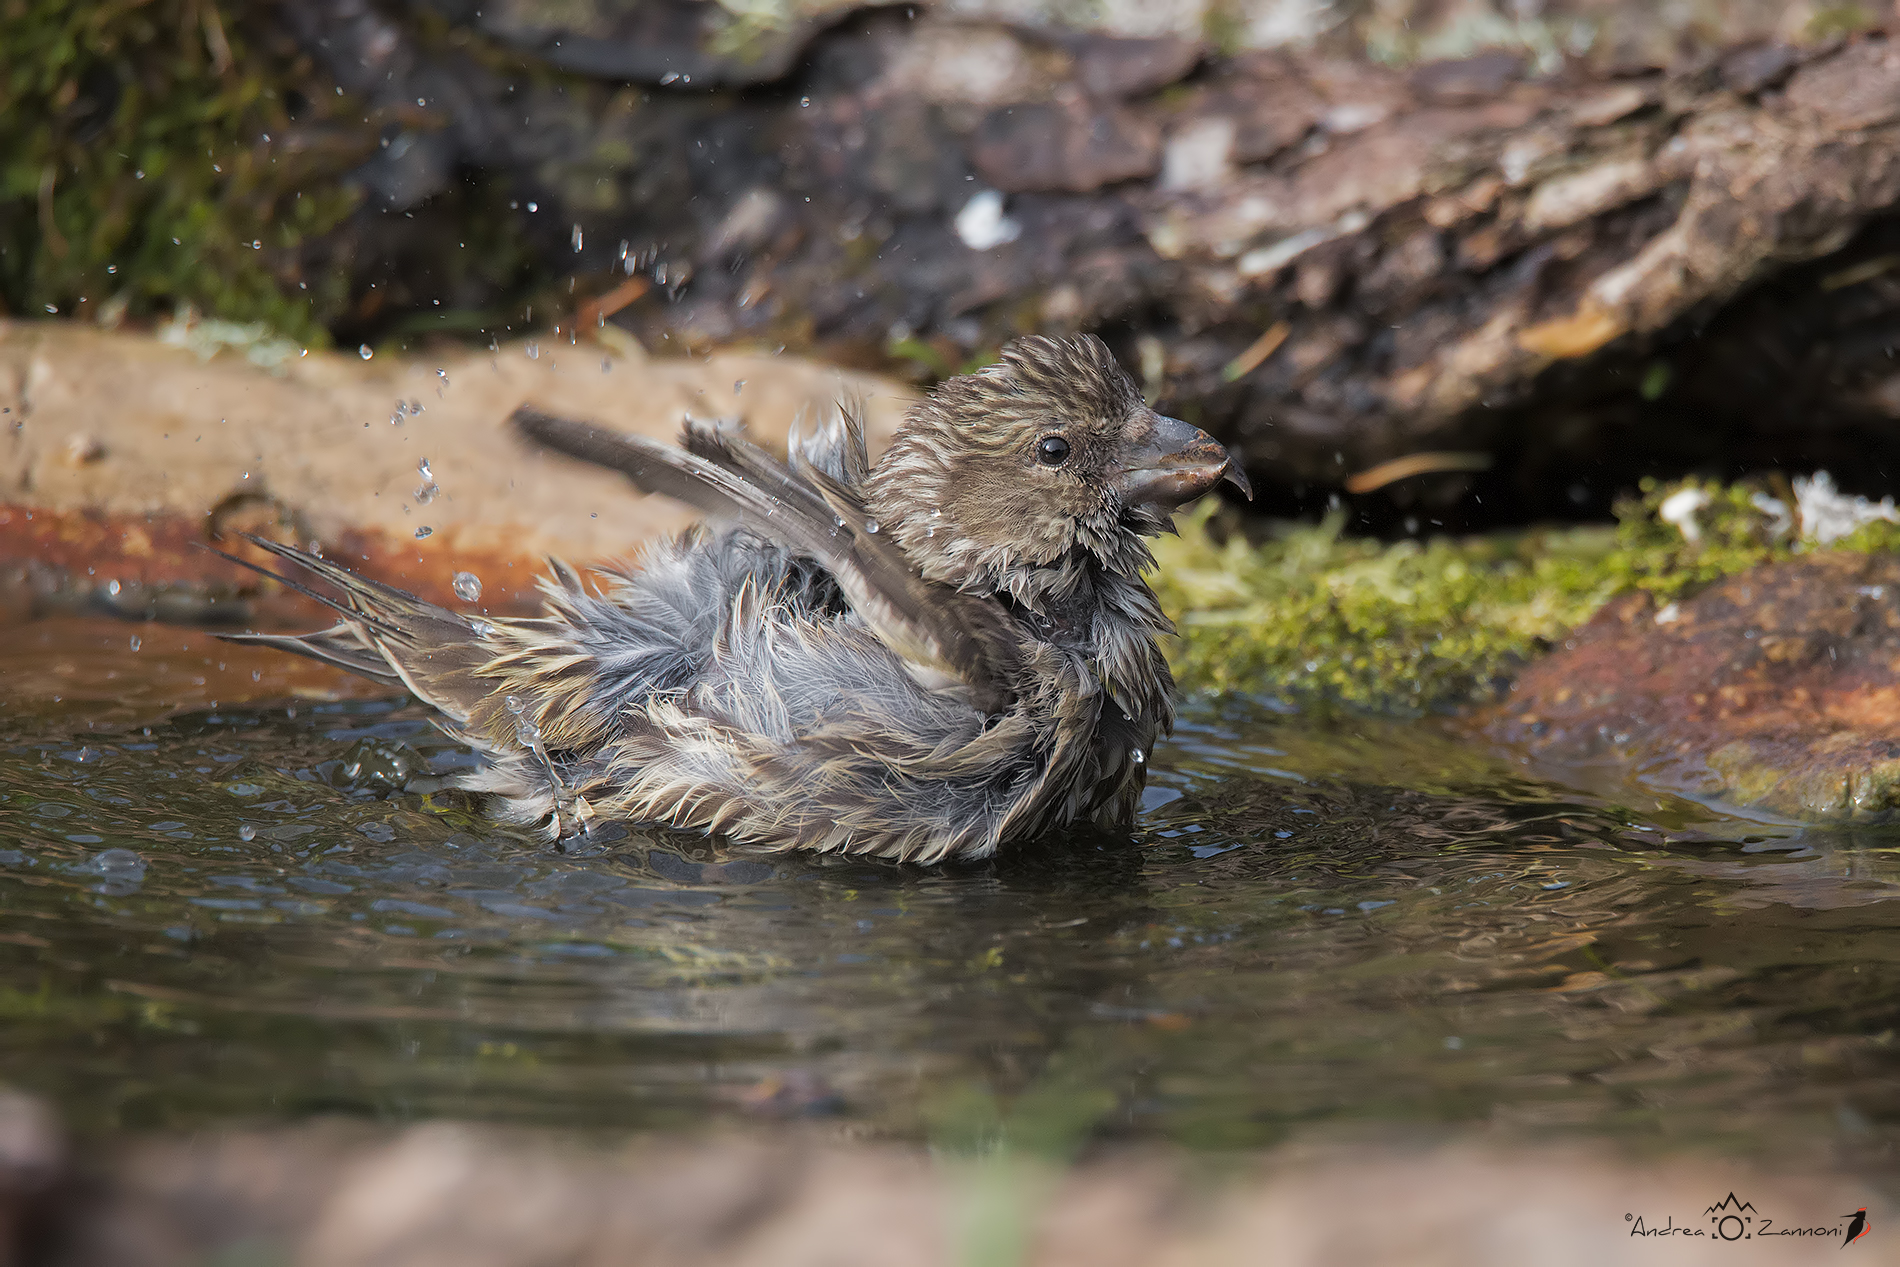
{"x":951,"y":641}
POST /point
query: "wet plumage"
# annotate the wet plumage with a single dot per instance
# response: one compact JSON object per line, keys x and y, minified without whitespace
{"x":934,"y":657}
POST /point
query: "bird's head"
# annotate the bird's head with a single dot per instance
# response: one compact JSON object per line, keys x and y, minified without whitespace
{"x":1036,"y":461}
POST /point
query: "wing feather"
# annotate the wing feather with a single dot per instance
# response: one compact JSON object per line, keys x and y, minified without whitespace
{"x":950,"y":640}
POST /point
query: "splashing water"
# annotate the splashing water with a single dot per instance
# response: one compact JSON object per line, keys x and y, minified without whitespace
{"x":467,"y":586}
{"x":428,"y":490}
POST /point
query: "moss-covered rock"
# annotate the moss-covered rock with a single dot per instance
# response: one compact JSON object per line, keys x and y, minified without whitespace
{"x":159,"y":154}
{"x":1317,"y":618}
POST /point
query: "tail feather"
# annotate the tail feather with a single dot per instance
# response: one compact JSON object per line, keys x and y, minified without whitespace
{"x":383,"y":633}
{"x":338,"y":645}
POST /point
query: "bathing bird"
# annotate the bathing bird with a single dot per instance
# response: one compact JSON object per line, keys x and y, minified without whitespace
{"x":930,"y":658}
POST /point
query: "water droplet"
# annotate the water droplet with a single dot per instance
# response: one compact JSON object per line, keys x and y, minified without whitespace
{"x":527,"y":733}
{"x":803,"y":102}
{"x":365,"y":352}
{"x":423,"y":531}
{"x":1138,"y":756}
{"x":467,"y":586}
{"x":930,"y":532}
{"x":738,"y":385}
{"x":113,"y":587}
{"x":837,"y":521}
{"x":936,"y":514}
{"x":578,"y":239}
{"x":117,"y":862}
{"x":870,"y":525}
{"x":534,"y":350}
{"x":137,"y":642}
{"x":482,"y":629}
{"x":247,"y":832}
{"x":444,"y":376}
{"x":534,"y":206}
{"x":513,"y":704}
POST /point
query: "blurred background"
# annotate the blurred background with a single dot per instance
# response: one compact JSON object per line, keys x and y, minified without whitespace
{"x":1334,"y":231}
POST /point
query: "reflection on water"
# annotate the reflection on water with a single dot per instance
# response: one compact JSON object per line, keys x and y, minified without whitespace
{"x":261,"y":911}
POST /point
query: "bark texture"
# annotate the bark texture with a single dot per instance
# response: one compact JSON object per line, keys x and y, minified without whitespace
{"x":1579,"y":269}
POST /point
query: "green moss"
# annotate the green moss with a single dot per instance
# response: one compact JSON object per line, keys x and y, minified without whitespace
{"x":1320,"y":619}
{"x":150,"y":162}
{"x":1833,"y":20}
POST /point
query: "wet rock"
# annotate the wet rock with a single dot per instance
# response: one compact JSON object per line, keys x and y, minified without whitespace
{"x":329,"y":451}
{"x":1777,"y":690}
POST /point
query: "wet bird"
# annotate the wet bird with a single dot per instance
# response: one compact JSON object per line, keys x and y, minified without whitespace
{"x":930,"y":658}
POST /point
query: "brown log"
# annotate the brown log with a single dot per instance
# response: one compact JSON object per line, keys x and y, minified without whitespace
{"x":1587,"y":270}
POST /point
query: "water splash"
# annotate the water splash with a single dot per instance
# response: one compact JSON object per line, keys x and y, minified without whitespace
{"x":467,"y":586}
{"x":428,"y":490}
{"x":528,"y":735}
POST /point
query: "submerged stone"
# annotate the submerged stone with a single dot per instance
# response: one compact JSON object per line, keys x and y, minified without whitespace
{"x":1777,"y":689}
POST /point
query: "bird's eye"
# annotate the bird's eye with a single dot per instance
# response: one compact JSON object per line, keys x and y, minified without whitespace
{"x":1052,"y":451}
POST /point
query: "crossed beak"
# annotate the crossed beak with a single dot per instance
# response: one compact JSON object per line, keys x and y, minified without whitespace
{"x":1175,"y":464}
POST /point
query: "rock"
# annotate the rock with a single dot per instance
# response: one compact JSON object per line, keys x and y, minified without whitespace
{"x":331,"y":1195}
{"x":400,"y":467}
{"x":1777,"y":690}
{"x":1110,"y":67}
{"x":33,"y":1162}
{"x":1034,"y":148}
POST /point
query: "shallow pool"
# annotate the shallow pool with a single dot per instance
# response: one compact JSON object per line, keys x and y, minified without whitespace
{"x":256,"y":909}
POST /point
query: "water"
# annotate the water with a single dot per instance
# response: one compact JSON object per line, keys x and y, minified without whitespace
{"x":263,"y":909}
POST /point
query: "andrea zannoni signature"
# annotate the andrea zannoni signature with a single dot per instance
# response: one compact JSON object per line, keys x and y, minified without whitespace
{"x":1732,"y":1219}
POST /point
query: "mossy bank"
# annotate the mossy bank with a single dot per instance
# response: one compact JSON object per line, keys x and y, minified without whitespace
{"x":1317,"y":619}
